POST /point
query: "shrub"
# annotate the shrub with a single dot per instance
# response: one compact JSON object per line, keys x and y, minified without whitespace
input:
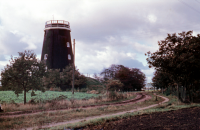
{"x":113,"y":85}
{"x":112,"y":95}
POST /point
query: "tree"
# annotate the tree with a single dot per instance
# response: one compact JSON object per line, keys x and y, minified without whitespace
{"x":52,"y":78}
{"x":23,"y":74}
{"x":110,"y":73}
{"x":63,"y":80}
{"x":161,"y":80}
{"x":131,"y":78}
{"x":179,"y":57}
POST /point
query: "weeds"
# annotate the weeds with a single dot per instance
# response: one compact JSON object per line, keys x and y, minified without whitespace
{"x":102,"y":108}
{"x":60,"y":116}
{"x":60,"y":102}
{"x":168,"y":106}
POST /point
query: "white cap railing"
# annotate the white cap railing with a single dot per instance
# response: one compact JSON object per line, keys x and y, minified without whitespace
{"x":57,"y":22}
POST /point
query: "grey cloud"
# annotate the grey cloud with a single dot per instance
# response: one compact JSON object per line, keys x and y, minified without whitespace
{"x":131,"y":63}
{"x":2,"y":58}
{"x":12,"y":44}
{"x":92,"y":26}
{"x":1,"y":68}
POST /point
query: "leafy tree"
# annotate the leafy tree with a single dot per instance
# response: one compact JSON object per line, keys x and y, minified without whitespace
{"x":131,"y":78}
{"x":161,"y":80}
{"x":23,"y":74}
{"x":179,"y":57}
{"x":63,"y":80}
{"x":138,"y":78}
{"x":52,"y":78}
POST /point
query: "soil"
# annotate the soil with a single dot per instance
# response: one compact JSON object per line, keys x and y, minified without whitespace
{"x":187,"y":118}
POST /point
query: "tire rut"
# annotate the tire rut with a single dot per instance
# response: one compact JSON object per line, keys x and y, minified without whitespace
{"x":146,"y":97}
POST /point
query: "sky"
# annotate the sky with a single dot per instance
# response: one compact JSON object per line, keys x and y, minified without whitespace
{"x":106,"y":31}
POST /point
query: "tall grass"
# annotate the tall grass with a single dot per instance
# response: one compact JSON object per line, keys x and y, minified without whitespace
{"x":173,"y":104}
{"x":60,"y":103}
{"x":47,"y":117}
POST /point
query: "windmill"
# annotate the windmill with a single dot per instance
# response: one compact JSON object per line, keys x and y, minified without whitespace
{"x":57,"y":47}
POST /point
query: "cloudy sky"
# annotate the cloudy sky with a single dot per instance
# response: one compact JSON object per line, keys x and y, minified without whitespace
{"x":106,"y":31}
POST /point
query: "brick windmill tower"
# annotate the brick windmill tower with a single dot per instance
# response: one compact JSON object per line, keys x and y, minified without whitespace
{"x":57,"y":47}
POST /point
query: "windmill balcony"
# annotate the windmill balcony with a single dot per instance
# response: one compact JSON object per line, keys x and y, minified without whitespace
{"x":57,"y":24}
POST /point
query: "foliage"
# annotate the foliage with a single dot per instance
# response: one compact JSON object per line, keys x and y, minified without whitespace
{"x":161,"y":79}
{"x":131,"y":78}
{"x":113,"y":85}
{"x":178,"y":56}
{"x":98,"y":78}
{"x":92,"y":81}
{"x":94,"y":84}
{"x":23,"y":74}
{"x":110,"y":72}
{"x":54,"y":78}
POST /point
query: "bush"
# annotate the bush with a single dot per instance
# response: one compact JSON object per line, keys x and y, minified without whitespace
{"x":113,"y":85}
{"x":115,"y":96}
{"x":98,"y":88}
{"x":112,"y":95}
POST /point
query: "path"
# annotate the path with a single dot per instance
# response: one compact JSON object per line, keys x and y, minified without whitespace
{"x":139,"y":98}
{"x":102,"y":116}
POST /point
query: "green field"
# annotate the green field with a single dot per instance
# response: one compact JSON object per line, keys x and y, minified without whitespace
{"x":10,"y":96}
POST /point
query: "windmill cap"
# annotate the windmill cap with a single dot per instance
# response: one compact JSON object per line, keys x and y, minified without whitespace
{"x":57,"y":24}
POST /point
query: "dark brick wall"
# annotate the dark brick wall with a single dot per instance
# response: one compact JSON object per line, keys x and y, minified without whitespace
{"x":55,"y":45}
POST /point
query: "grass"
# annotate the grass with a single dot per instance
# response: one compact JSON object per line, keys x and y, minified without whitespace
{"x":60,"y":116}
{"x":10,"y":102}
{"x":63,"y":103}
{"x":10,"y":96}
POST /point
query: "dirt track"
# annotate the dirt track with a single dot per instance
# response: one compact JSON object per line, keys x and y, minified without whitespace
{"x":103,"y":116}
{"x":139,"y":98}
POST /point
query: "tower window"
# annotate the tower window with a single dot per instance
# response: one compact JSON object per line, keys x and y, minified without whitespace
{"x":68,"y":45}
{"x":69,"y":57}
{"x":45,"y":56}
{"x":46,"y":68}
